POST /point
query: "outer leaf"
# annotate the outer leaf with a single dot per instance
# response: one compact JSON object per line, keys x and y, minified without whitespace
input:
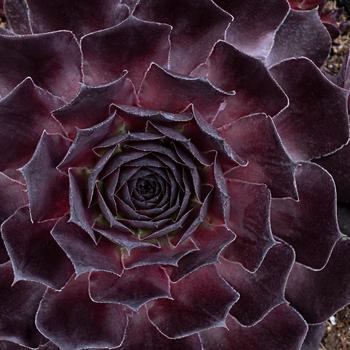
{"x":196,"y":26}
{"x":47,"y":187}
{"x":249,"y":219}
{"x":83,"y":252}
{"x":19,"y":303}
{"x":255,"y":139}
{"x":317,"y":295}
{"x":141,"y":334}
{"x":24,"y":114}
{"x":12,"y":196}
{"x":201,"y":301}
{"x":255,"y":24}
{"x":312,"y":220}
{"x":283,"y":328}
{"x":109,"y":52}
{"x":134,"y":288}
{"x":78,"y":16}
{"x":262,"y":290}
{"x":72,"y":321}
{"x":301,"y":34}
{"x":56,"y":53}
{"x":316,"y":120}
{"x":256,"y":91}
{"x":159,"y":87}
{"x":34,"y":254}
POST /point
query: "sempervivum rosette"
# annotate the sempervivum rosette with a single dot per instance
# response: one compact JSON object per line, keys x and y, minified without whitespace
{"x":162,"y":182}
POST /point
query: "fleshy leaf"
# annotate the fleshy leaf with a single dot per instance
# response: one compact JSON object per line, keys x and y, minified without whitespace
{"x":79,"y":212}
{"x":134,"y":288}
{"x":83,"y":252}
{"x":314,"y":337}
{"x":81,"y":153}
{"x":160,"y":86}
{"x":262,"y":290}
{"x":71,"y":320}
{"x":109,"y":52}
{"x":312,"y":220}
{"x":210,"y":240}
{"x":343,"y":214}
{"x":17,"y":15}
{"x":167,"y":254}
{"x":47,"y":187}
{"x":24,"y":114}
{"x":34,"y":254}
{"x":255,"y":24}
{"x":316,"y":121}
{"x":256,"y":91}
{"x":7,"y":345}
{"x":196,"y":26}
{"x":19,"y":303}
{"x":78,"y":16}
{"x":52,"y":60}
{"x":301,"y":34}
{"x":141,"y":334}
{"x":12,"y":196}
{"x":317,"y":295}
{"x":338,"y":164}
{"x":201,"y":301}
{"x":91,"y":106}
{"x":283,"y":329}
{"x":255,"y":139}
{"x":250,"y":220}
{"x":123,"y":238}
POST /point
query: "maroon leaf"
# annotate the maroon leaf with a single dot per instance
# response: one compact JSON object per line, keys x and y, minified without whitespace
{"x":52,"y":60}
{"x":19,"y":303}
{"x":283,"y":328}
{"x":141,"y":334}
{"x":338,"y":165}
{"x":123,"y":238}
{"x":134,"y":288}
{"x":201,"y":301}
{"x":256,"y":91}
{"x":17,"y":15}
{"x":160,"y":86}
{"x":255,"y":24}
{"x":317,"y":295}
{"x":255,"y":139}
{"x":12,"y":196}
{"x":196,"y":26}
{"x":167,"y":254}
{"x":250,"y":220}
{"x":24,"y":114}
{"x":83,"y":252}
{"x":47,"y":187}
{"x":311,"y":221}
{"x":262,"y":290}
{"x":107,"y":53}
{"x":81,"y":153}
{"x":316,"y":120}
{"x":79,"y":212}
{"x":91,"y":106}
{"x":34,"y":254}
{"x":314,"y":336}
{"x":78,"y":16}
{"x":301,"y":34}
{"x":210,"y":240}
{"x":71,"y":320}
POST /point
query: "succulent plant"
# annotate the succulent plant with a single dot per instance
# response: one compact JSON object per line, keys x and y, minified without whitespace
{"x":163,"y":179}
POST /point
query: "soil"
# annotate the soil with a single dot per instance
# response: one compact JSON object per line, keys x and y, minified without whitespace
{"x":337,"y":334}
